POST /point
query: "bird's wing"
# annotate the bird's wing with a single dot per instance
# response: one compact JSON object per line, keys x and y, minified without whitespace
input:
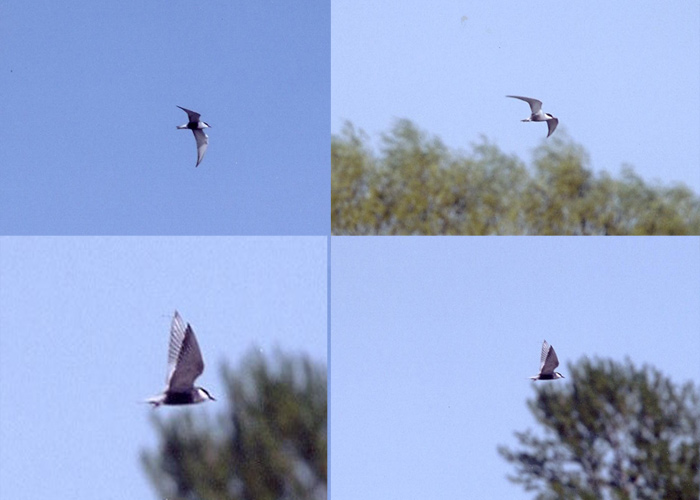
{"x":177,"y":336}
{"x":185,"y":362}
{"x":192,"y":115}
{"x":535,"y":105}
{"x":552,"y":124}
{"x":550,"y":362}
{"x":202,"y":143}
{"x":543,"y":354}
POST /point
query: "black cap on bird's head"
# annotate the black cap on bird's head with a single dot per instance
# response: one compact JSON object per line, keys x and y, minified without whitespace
{"x":206,"y":394}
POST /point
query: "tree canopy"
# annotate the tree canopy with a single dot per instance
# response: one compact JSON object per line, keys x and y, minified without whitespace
{"x":269,"y":443}
{"x":417,"y":186}
{"x":612,"y":432}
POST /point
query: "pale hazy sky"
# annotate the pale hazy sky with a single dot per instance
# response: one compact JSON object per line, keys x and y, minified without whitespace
{"x":433,"y":340}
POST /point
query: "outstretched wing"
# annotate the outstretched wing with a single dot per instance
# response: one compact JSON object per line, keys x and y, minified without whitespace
{"x":177,"y":336}
{"x":192,"y":115}
{"x":185,"y":362}
{"x":535,"y":105}
{"x":552,"y":124}
{"x":202,"y":143}
{"x":549,"y":360}
{"x":543,"y":354}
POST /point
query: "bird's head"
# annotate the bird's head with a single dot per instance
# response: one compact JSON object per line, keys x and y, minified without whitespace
{"x":204,"y":394}
{"x":206,"y":125}
{"x":558,"y":375}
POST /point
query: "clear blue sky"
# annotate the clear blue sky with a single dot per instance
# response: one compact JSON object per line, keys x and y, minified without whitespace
{"x":432,"y":341}
{"x":89,"y":144}
{"x":624,"y":81}
{"x":85,"y":325}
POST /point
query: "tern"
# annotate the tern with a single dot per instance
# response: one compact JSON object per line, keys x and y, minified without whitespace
{"x":548,"y":362}
{"x":185,"y":364}
{"x":197,"y":127}
{"x":537,"y":114}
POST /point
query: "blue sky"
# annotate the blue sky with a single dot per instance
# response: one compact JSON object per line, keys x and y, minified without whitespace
{"x":433,"y":338}
{"x":85,"y":325}
{"x":90,"y":147}
{"x":89,"y":114}
{"x":624,"y":82}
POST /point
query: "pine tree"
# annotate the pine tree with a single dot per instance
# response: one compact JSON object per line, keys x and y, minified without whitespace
{"x":269,"y":443}
{"x":611,"y":432}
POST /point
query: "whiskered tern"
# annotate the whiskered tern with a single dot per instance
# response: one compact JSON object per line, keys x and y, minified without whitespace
{"x":548,"y":362}
{"x":197,"y":127}
{"x":537,"y":114}
{"x":185,"y":364}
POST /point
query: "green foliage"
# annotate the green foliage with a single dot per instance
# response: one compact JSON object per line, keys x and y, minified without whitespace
{"x":416,"y":186}
{"x":270,"y":443}
{"x":614,"y":432}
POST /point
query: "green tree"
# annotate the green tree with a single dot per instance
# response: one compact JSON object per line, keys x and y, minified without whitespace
{"x":416,"y":185}
{"x":269,"y":444}
{"x":612,"y":432}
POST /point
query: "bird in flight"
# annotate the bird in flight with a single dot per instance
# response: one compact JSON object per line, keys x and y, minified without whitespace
{"x":185,"y":364}
{"x":197,"y":127}
{"x":537,"y":114}
{"x":548,"y":362}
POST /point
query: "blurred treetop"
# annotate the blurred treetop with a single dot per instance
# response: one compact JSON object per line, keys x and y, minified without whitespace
{"x":269,"y":442}
{"x":416,"y":186}
{"x":612,"y":431}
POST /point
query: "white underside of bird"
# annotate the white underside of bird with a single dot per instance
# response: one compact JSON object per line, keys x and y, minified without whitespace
{"x":197,"y":127}
{"x":537,"y":115}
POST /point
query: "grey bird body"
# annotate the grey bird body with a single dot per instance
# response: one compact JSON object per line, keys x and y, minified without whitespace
{"x":548,"y":362}
{"x":537,"y":115}
{"x":185,"y":364}
{"x":197,"y":127}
